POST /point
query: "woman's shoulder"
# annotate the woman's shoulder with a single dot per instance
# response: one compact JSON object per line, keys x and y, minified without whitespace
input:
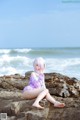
{"x":33,"y":73}
{"x":36,"y":74}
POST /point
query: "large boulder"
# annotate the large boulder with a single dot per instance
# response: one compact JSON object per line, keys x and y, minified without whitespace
{"x":61,"y":85}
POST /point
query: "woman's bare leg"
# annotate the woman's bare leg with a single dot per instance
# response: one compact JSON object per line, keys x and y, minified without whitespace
{"x":45,"y":93}
{"x":39,"y":98}
{"x":40,"y":93}
{"x":31,"y":94}
{"x":52,"y":100}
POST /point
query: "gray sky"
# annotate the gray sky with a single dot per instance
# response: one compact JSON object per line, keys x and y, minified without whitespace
{"x":39,"y":23}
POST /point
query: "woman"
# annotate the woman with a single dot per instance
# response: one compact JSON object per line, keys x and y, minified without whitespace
{"x":36,"y":87}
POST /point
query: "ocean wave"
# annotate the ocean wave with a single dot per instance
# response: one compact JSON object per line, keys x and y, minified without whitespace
{"x":45,"y":51}
{"x":21,"y":64}
{"x":62,"y":62}
{"x":12,"y":51}
{"x":4,"y":51}
{"x":69,"y":66}
{"x":22,"y":50}
{"x":16,"y":64}
{"x":17,"y":61}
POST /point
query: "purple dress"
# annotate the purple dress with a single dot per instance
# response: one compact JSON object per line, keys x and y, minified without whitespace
{"x":36,"y":81}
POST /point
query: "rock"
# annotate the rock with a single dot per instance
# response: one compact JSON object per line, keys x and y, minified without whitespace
{"x":10,"y":94}
{"x":11,"y":82}
{"x":27,"y":74}
{"x":26,"y":105}
{"x":37,"y":114}
{"x":25,"y":111}
{"x":57,"y":84}
{"x":61,"y":85}
{"x":62,"y":88}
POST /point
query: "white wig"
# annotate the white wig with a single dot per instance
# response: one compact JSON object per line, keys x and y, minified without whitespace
{"x":39,"y":61}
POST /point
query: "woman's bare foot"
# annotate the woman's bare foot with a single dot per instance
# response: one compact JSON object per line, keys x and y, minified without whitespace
{"x":59,"y":105}
{"x":37,"y":106}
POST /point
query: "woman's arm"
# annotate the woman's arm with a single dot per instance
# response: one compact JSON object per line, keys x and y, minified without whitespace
{"x":44,"y":86}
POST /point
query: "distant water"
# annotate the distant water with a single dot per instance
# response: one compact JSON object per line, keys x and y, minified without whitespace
{"x":61,"y":60}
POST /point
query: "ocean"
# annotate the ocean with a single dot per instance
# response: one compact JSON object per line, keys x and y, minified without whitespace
{"x":61,"y":60}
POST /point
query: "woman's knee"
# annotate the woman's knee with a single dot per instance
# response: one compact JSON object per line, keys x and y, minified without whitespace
{"x":47,"y":91}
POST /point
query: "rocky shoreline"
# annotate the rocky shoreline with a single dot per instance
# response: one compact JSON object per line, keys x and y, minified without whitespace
{"x":63,"y":88}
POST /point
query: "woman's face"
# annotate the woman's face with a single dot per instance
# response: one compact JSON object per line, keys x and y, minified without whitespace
{"x":39,"y":69}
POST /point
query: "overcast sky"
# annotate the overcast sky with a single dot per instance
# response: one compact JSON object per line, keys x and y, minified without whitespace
{"x":39,"y":23}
